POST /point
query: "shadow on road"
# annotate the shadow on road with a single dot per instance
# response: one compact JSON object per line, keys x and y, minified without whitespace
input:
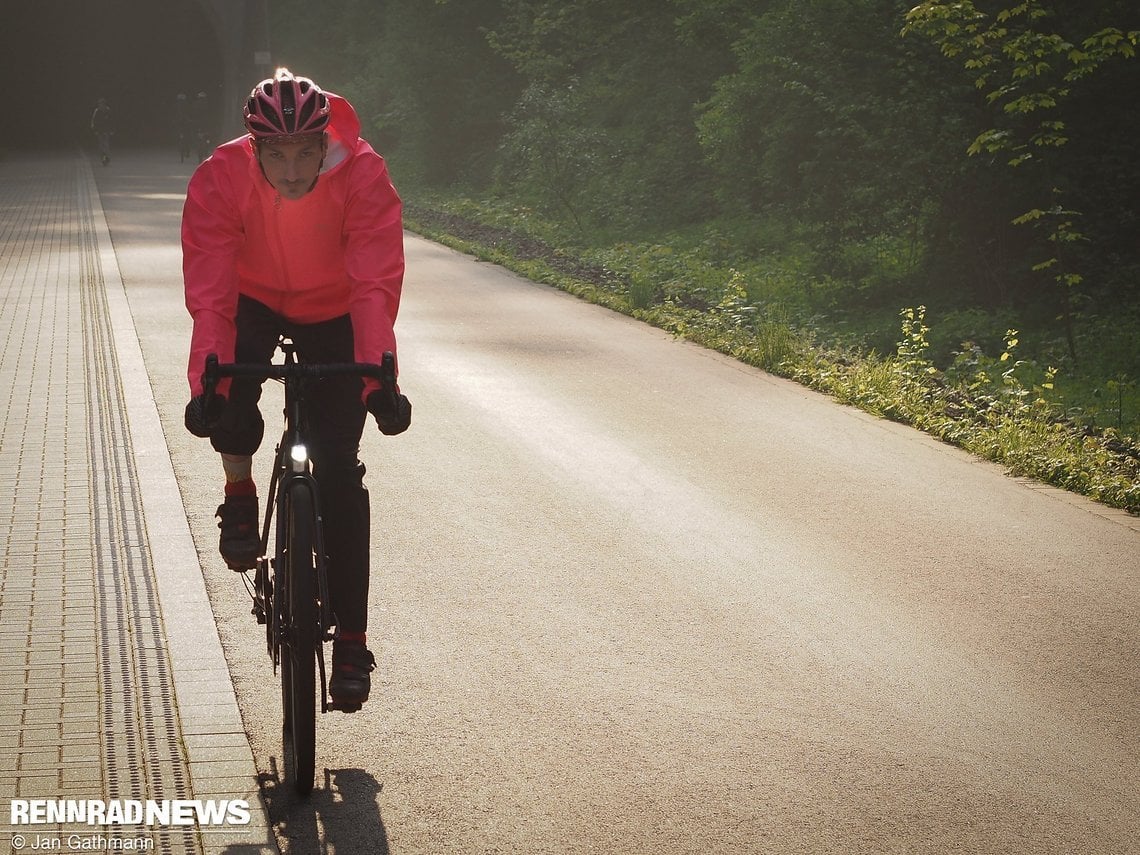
{"x":341,"y":814}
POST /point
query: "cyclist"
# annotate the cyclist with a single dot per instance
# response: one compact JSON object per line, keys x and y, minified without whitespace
{"x":295,"y":229}
{"x":102,"y":127}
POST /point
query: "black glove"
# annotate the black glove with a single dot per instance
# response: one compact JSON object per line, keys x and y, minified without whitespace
{"x":202,"y":419}
{"x":393,"y":412}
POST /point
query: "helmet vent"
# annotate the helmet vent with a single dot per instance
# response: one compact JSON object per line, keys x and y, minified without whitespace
{"x":286,"y":106}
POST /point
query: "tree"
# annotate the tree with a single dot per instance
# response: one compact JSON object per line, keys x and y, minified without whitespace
{"x":1029,"y":72}
{"x":828,"y":118}
{"x":450,"y":91}
{"x":610,"y":89}
{"x":430,"y":92}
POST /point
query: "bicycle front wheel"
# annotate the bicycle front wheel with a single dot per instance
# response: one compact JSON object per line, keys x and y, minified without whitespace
{"x":300,"y":639}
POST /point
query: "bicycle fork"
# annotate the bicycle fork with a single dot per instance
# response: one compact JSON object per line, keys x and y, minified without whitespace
{"x":268,"y":590}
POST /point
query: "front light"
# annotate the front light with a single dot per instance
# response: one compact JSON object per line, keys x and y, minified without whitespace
{"x":300,"y":457}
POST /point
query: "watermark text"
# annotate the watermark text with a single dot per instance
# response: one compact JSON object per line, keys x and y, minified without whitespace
{"x":149,"y":812}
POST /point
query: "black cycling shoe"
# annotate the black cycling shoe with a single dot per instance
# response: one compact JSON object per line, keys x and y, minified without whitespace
{"x":352,"y":662}
{"x":240,"y":543}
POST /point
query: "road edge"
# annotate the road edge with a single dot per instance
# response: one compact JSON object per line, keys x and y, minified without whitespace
{"x":217,"y":748}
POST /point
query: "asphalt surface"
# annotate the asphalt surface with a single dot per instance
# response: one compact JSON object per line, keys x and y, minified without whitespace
{"x":631,"y":596}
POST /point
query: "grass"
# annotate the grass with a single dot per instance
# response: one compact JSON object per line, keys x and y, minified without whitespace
{"x":1072,"y":431}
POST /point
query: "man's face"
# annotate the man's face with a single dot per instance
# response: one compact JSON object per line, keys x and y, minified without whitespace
{"x":292,"y":167}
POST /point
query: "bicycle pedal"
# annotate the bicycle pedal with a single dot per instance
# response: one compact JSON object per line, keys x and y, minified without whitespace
{"x":344,"y":707}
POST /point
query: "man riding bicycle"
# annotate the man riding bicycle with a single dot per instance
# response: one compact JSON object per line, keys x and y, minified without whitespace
{"x":295,"y":229}
{"x":103,"y":128}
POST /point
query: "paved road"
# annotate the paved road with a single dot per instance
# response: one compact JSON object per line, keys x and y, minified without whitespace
{"x":630,"y":596}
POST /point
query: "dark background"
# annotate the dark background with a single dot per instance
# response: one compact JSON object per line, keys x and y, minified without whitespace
{"x":57,"y":57}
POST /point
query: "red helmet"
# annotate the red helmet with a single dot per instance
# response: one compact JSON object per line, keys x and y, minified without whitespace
{"x":285,"y":107}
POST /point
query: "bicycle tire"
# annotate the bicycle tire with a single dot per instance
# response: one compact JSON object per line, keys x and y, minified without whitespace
{"x":298,"y":660}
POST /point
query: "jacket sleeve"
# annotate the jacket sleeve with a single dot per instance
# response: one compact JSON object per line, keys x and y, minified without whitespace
{"x":211,"y":238}
{"x":374,"y":259}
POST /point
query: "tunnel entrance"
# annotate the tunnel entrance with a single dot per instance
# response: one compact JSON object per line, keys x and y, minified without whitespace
{"x":59,"y":56}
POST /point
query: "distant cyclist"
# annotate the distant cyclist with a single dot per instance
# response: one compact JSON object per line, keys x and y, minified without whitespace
{"x":296,"y":229}
{"x":103,"y":128}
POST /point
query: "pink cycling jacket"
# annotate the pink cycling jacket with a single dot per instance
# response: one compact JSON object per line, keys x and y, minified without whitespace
{"x":337,"y":250}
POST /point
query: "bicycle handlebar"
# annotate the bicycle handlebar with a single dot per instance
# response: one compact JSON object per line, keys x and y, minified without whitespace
{"x":385,"y":372}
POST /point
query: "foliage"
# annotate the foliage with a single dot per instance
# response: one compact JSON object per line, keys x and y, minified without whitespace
{"x":430,"y":91}
{"x":807,"y":120}
{"x":654,"y":115}
{"x":547,"y":153}
{"x":602,"y":130}
{"x":1027,"y":73}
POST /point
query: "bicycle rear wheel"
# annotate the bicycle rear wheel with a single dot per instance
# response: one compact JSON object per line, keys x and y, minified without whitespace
{"x":300,"y":639}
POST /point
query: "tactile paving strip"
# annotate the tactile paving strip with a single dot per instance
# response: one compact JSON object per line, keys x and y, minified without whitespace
{"x":87,"y":707}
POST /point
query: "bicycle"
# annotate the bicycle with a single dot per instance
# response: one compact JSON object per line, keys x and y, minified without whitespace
{"x":290,"y":590}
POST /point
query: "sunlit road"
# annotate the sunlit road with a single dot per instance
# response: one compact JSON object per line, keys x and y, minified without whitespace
{"x":632,"y":597}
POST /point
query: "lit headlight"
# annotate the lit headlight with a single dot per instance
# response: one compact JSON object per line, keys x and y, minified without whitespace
{"x":300,"y":457}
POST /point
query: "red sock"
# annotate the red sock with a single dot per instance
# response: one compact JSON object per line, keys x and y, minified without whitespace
{"x":241,"y":488}
{"x":352,"y":636}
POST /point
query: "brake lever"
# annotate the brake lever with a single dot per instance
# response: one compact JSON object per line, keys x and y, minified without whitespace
{"x":388,"y":375}
{"x":209,"y":380}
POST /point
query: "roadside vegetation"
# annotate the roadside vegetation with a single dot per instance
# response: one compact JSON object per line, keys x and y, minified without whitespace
{"x":931,"y":212}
